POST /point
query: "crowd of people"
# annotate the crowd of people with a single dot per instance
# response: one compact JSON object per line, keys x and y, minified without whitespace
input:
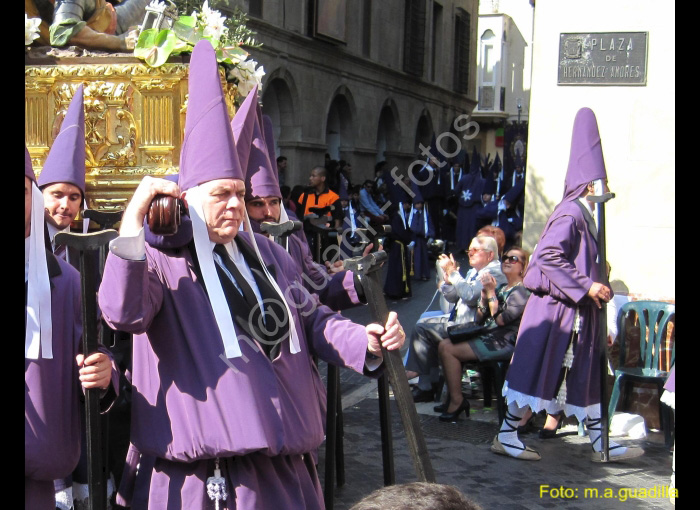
{"x":225,"y":318}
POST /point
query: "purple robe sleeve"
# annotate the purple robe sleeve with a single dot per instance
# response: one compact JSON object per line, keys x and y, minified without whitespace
{"x":135,"y":294}
{"x":557,"y":245}
{"x":52,"y":386}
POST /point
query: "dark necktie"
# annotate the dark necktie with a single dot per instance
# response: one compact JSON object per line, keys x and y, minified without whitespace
{"x":247,"y":311}
{"x":243,"y":285}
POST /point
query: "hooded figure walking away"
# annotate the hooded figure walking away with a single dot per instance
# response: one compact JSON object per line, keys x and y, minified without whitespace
{"x":555,"y":364}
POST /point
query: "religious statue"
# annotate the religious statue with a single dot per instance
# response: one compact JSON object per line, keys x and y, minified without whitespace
{"x":107,"y":25}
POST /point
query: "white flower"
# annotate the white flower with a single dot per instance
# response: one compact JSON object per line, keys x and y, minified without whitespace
{"x":248,"y":76}
{"x":214,"y":22}
{"x":31,"y":29}
{"x":258,"y":75}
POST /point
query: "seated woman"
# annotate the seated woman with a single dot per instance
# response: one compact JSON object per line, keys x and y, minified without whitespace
{"x":505,"y":305}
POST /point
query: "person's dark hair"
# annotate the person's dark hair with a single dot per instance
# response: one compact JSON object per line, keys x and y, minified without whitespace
{"x":323,"y":172}
{"x":416,"y":496}
{"x":281,"y":158}
{"x":296,"y":193}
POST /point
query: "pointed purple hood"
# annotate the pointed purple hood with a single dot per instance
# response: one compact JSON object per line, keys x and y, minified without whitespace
{"x":260,"y":174}
{"x":66,"y":159}
{"x":28,"y":169}
{"x":586,"y":162}
{"x":208,"y":150}
{"x":242,"y":126}
{"x":475,"y":165}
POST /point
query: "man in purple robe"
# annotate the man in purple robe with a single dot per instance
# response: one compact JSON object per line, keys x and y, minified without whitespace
{"x":223,"y":378}
{"x":335,"y":287}
{"x":53,"y":366}
{"x":555,"y":364}
{"x":62,"y":179}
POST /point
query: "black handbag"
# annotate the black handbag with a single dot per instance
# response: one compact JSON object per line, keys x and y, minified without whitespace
{"x":468,"y":331}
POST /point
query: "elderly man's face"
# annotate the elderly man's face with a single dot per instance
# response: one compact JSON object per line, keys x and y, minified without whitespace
{"x":479,"y":258}
{"x":224,"y":208}
{"x":264,"y":209}
{"x":61,"y":204}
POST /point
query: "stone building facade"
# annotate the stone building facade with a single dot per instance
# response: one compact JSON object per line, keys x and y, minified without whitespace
{"x":363,"y":81}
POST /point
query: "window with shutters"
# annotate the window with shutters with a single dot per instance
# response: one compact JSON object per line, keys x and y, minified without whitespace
{"x":461,"y":62}
{"x":414,"y":37}
{"x":487,"y":87}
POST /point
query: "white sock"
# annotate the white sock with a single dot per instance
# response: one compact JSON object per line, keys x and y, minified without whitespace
{"x":593,"y":424}
{"x":64,"y":499}
{"x":508,"y":435}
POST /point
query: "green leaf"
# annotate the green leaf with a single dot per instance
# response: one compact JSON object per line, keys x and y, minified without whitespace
{"x":146,"y":39}
{"x":189,"y":21}
{"x":231,"y":54}
{"x":181,"y":47}
{"x":187,"y":29}
{"x":155,"y":48}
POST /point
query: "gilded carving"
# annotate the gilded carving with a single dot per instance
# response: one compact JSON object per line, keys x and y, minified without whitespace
{"x":134,"y":121}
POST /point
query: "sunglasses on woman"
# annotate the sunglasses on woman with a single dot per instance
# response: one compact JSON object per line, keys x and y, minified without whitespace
{"x":511,"y":258}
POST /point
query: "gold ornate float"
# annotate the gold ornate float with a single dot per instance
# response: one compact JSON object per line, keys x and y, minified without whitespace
{"x":134,"y":118}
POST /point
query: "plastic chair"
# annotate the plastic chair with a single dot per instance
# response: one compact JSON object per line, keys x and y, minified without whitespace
{"x":653,"y":318}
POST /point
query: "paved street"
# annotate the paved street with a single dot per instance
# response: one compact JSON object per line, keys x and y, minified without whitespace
{"x":460,"y":452}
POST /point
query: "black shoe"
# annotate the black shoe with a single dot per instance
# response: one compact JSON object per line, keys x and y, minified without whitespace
{"x":547,"y":434}
{"x":423,"y":395}
{"x":528,"y":427}
{"x":453,"y":417}
{"x":442,"y":408}
{"x":551,"y":434}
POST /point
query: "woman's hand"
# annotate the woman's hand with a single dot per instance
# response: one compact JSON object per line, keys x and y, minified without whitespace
{"x":489,"y":283}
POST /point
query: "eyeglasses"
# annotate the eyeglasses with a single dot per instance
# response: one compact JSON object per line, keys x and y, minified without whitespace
{"x":474,"y":250}
{"x":511,"y":258}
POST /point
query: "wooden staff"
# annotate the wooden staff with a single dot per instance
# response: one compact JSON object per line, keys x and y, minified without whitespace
{"x":85,"y":244}
{"x":603,"y":328}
